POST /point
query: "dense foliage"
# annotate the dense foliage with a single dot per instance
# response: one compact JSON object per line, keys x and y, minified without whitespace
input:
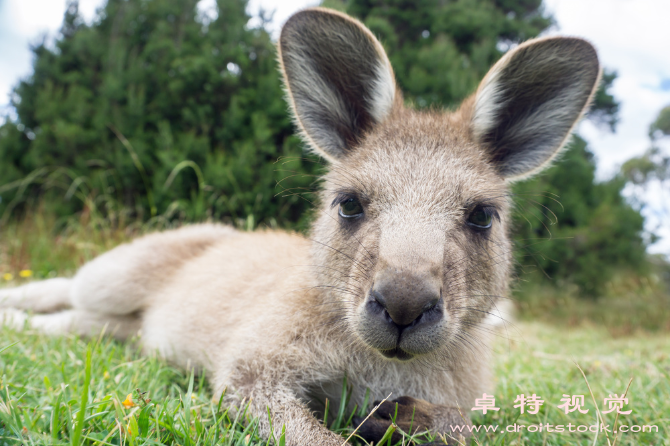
{"x":651,"y":171}
{"x":121,"y":104}
{"x":160,"y":110}
{"x":574,"y":230}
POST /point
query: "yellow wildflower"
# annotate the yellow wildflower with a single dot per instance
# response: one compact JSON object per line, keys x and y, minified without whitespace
{"x":128,"y":402}
{"x":106,"y":375}
{"x":7,"y":276}
{"x":25,"y":273}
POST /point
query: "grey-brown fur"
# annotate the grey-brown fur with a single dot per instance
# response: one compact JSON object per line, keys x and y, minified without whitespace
{"x":397,"y":297}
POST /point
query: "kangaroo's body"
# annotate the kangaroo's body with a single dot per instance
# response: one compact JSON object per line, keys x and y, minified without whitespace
{"x":407,"y":258}
{"x":243,"y":306}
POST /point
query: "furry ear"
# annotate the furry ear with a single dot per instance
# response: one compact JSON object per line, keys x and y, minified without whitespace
{"x":339,"y":81}
{"x":529,"y":101}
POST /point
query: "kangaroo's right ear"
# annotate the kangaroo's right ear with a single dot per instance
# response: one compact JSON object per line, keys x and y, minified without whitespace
{"x":528,"y":103}
{"x":339,"y":81}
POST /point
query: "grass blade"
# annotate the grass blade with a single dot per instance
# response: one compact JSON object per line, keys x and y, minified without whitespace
{"x":6,"y":347}
{"x":55,"y":418}
{"x":79,"y":425}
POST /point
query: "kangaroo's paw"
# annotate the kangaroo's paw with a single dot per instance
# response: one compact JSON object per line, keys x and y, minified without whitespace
{"x":12,"y":318}
{"x":409,"y":414}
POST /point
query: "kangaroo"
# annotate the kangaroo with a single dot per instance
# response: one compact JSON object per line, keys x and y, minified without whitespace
{"x":409,"y":255}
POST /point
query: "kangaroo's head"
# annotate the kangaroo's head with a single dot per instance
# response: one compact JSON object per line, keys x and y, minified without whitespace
{"x":412,"y":243}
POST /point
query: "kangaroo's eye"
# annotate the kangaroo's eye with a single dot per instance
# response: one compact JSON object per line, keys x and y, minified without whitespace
{"x":351,"y":208}
{"x":481,"y":218}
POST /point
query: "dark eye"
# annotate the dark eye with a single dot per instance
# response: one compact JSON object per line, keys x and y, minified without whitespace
{"x":351,"y":208}
{"x":481,"y":218}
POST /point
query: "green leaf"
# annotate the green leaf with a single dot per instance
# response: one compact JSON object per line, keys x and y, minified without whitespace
{"x":143,"y":420}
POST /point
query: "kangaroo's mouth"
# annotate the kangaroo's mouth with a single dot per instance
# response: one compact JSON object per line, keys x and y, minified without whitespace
{"x":397,"y":353}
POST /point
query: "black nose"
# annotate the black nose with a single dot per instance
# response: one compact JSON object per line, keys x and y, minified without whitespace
{"x":405,"y":300}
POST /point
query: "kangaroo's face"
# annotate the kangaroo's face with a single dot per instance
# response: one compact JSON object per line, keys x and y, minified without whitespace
{"x":412,"y":243}
{"x":414,"y":230}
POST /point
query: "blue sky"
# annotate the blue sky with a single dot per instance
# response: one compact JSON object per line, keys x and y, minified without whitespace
{"x":632,"y":37}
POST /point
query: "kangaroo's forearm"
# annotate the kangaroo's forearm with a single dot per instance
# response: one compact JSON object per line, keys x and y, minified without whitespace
{"x":290,"y":417}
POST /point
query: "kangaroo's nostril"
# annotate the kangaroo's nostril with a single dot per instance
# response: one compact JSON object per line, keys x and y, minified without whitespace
{"x":378,"y":298}
{"x":430,"y":305}
{"x":417,"y":320}
{"x":375,"y":307}
{"x":407,"y":299}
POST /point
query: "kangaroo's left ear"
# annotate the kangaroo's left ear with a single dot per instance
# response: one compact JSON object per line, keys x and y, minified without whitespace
{"x":338,"y":79}
{"x":528,"y":103}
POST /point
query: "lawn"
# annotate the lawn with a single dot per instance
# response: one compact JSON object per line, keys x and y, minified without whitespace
{"x":542,"y":359}
{"x":44,"y":381}
{"x":43,"y":387}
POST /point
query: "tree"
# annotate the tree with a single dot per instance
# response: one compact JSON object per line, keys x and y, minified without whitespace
{"x":154,"y":109}
{"x":660,"y":127}
{"x":653,"y":167}
{"x":572,"y":229}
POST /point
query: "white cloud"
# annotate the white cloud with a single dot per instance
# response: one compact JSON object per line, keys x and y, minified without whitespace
{"x":282,"y":10}
{"x":26,"y":22}
{"x":632,"y":37}
{"x":31,"y":17}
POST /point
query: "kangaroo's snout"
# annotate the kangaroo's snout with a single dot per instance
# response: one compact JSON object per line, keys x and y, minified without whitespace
{"x":403,"y":313}
{"x":405,"y":299}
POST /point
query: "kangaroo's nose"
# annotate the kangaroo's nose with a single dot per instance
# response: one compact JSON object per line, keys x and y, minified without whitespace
{"x":404,"y":299}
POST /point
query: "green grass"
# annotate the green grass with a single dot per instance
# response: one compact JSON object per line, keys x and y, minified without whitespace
{"x":44,"y":383}
{"x":542,"y":359}
{"x":44,"y":386}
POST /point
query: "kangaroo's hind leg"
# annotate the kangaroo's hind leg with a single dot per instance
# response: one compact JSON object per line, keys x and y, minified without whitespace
{"x":81,"y":322}
{"x":48,"y":306}
{"x":123,"y":280}
{"x":112,"y":290}
{"x":51,"y":306}
{"x":46,"y":296}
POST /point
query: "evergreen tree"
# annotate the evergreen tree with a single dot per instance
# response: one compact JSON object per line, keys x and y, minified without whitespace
{"x":149,"y":87}
{"x":569,"y":228}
